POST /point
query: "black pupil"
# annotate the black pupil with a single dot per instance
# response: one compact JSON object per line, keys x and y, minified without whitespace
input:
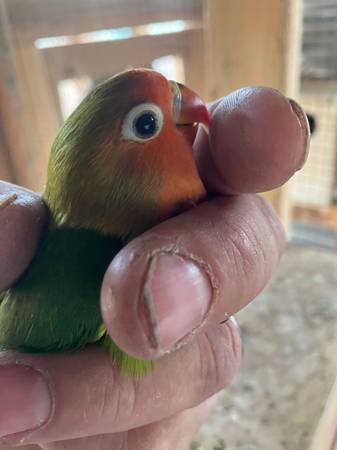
{"x":146,"y":125}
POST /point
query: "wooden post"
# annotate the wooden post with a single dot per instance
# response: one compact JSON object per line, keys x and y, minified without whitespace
{"x":254,"y":43}
{"x":195,"y":62}
{"x":28,"y":119}
{"x":12,"y":154}
{"x":6,"y":168}
{"x":39,"y":107}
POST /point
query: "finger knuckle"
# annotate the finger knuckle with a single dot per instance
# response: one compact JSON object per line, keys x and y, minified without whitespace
{"x":219,"y":356}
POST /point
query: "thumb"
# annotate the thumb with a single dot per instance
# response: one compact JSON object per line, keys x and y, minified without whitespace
{"x":22,"y":216}
{"x":189,"y":274}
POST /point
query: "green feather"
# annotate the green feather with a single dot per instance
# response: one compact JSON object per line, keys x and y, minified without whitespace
{"x":128,"y":365}
{"x":55,"y":305}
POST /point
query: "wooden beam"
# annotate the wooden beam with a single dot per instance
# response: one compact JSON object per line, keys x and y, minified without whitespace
{"x":104,"y":59}
{"x":28,"y":119}
{"x":40,"y":111}
{"x":254,"y":43}
{"x":6,"y":168}
{"x":5,"y":172}
{"x":14,"y":159}
{"x":37,"y":18}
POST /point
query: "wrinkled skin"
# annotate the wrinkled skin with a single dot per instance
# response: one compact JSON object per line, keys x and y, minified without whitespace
{"x":228,"y":248}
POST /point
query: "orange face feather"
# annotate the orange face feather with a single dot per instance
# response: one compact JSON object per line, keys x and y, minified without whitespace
{"x":129,"y":163}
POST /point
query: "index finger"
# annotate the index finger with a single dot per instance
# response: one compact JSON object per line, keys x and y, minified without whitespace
{"x":258,"y":139}
{"x":54,"y":397}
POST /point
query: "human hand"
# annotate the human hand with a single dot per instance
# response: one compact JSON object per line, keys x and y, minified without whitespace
{"x":198,"y":269}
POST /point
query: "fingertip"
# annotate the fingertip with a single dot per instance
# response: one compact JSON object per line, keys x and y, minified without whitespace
{"x":258,"y":140}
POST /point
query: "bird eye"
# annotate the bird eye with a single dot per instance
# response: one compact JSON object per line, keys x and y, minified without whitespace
{"x":143,"y":122}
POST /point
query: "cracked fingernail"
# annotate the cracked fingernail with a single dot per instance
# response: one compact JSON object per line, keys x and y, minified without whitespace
{"x":178,"y":295}
{"x":304,"y":124}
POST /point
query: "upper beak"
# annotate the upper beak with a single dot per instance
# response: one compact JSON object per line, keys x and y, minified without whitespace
{"x":188,"y":111}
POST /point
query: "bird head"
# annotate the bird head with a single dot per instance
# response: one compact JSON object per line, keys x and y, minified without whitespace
{"x":123,"y":160}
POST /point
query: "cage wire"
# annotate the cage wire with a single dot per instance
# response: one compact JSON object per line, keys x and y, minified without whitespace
{"x":315,"y":185}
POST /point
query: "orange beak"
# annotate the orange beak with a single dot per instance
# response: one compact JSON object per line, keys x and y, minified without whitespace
{"x":188,"y":111}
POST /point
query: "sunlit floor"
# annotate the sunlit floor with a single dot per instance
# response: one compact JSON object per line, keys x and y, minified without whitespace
{"x":290,"y":360}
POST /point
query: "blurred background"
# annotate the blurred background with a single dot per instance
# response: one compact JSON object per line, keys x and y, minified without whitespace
{"x":53,"y":52}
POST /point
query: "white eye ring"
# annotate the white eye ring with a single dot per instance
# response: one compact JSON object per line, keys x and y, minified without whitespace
{"x":143,"y":122}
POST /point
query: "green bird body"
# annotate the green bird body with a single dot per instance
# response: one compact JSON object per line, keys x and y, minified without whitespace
{"x":111,"y":176}
{"x":62,"y":313}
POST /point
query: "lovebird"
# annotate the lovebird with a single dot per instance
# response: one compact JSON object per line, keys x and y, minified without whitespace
{"x":121,"y":163}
